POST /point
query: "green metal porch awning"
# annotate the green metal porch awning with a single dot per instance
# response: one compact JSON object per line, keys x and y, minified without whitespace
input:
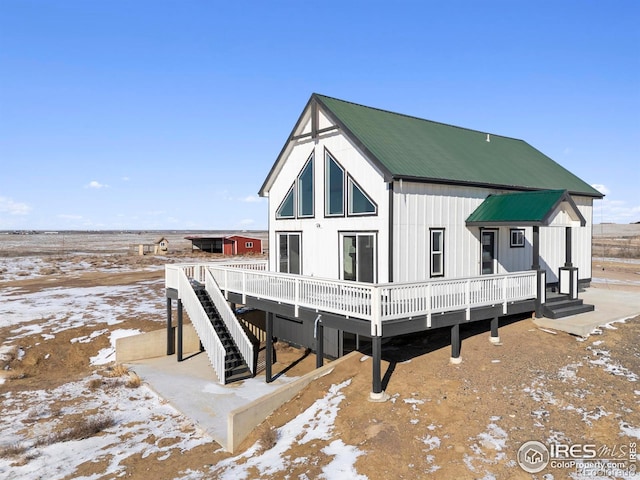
{"x":537,"y":208}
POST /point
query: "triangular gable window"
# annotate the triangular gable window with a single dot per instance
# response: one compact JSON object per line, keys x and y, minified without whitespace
{"x":305,"y":190}
{"x":359,"y":202}
{"x":299,"y":199}
{"x":285,"y":210}
{"x":334,"y":187}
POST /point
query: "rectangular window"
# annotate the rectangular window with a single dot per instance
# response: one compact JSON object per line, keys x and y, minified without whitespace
{"x":358,"y":257}
{"x":334,"y":187}
{"x":437,"y":252}
{"x":248,"y":245}
{"x":517,"y":238}
{"x":289,"y":253}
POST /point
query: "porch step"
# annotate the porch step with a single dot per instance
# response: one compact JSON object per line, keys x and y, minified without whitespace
{"x":560,"y":306}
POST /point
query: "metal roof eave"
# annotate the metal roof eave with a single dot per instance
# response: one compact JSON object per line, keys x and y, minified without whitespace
{"x":506,"y":223}
{"x":544,"y":220}
{"x":497,"y":186}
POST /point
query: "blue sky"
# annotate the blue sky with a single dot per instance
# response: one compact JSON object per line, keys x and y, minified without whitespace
{"x":169,"y":114}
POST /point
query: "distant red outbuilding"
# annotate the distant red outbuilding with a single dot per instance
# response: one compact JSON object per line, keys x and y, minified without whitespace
{"x":227,"y":245}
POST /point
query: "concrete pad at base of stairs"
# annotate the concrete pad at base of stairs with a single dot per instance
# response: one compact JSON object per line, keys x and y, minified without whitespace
{"x":610,"y":306}
{"x":193,"y":389}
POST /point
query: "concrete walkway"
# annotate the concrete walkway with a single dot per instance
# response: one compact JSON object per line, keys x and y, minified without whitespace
{"x":192,"y":388}
{"x":611,"y":305}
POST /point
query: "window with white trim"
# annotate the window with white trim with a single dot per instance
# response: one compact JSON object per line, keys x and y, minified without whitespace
{"x":289,"y":252}
{"x":333,"y":187}
{"x":358,"y":256}
{"x":305,"y":190}
{"x":517,"y":237}
{"x":286,"y":208}
{"x":437,"y":252}
{"x":359,"y":201}
{"x":299,"y":200}
{"x":248,"y":245}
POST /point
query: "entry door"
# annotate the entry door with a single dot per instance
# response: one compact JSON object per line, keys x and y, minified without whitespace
{"x":358,"y":257}
{"x":488,"y":240}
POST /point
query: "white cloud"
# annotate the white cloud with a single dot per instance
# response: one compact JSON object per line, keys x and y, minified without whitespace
{"x":125,"y":179}
{"x":95,"y":184}
{"x":7,"y":205}
{"x":251,"y":199}
{"x":615,"y":211}
{"x":66,"y":216}
{"x":246,"y":222}
{"x":601,"y":188}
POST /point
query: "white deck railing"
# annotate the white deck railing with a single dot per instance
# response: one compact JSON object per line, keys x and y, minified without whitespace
{"x":228,"y":317}
{"x":376,"y":303}
{"x":214,"y":348}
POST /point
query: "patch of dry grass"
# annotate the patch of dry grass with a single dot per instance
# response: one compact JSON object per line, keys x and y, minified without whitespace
{"x":134,"y":381}
{"x":94,"y":383}
{"x":13,"y":450}
{"x":268,"y":438}
{"x":117,"y":371}
{"x":81,"y":429}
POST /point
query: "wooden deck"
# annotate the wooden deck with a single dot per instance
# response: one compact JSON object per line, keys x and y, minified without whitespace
{"x":375,"y":303}
{"x":372,"y":310}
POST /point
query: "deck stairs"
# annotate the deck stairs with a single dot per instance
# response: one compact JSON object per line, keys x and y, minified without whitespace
{"x":235,"y":366}
{"x":560,"y":306}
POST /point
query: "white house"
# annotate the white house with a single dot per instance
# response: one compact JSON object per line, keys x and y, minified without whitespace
{"x":382,"y":224}
{"x":364,"y":194}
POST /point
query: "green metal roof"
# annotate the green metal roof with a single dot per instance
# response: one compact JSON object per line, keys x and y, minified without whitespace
{"x":413,"y":148}
{"x":521,"y":208}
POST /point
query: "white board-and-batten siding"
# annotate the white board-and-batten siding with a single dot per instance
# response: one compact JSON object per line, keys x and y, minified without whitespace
{"x":417,"y":208}
{"x":552,"y":244}
{"x":420,"y":207}
{"x":320,"y":235}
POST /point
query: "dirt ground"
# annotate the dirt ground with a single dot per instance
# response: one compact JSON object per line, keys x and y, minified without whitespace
{"x":442,"y":420}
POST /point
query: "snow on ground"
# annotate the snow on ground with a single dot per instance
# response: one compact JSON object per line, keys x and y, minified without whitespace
{"x":144,"y":424}
{"x":487,"y":447}
{"x":107,"y":355}
{"x":52,"y":310}
{"x":314,"y":424}
{"x":29,"y":267}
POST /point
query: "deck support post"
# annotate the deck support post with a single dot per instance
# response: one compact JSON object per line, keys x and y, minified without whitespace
{"x":495,"y":337}
{"x":319,"y":345}
{"x":377,"y":394}
{"x":567,"y":247}
{"x":541,"y":277}
{"x":455,"y":344}
{"x":269,"y":348}
{"x":180,"y":322}
{"x":170,"y":336}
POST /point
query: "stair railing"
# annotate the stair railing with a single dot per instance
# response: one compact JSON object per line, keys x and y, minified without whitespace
{"x":200,"y":321}
{"x":234,"y":327}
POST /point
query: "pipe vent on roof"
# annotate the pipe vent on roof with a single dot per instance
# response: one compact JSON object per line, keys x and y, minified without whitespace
{"x":488,"y":137}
